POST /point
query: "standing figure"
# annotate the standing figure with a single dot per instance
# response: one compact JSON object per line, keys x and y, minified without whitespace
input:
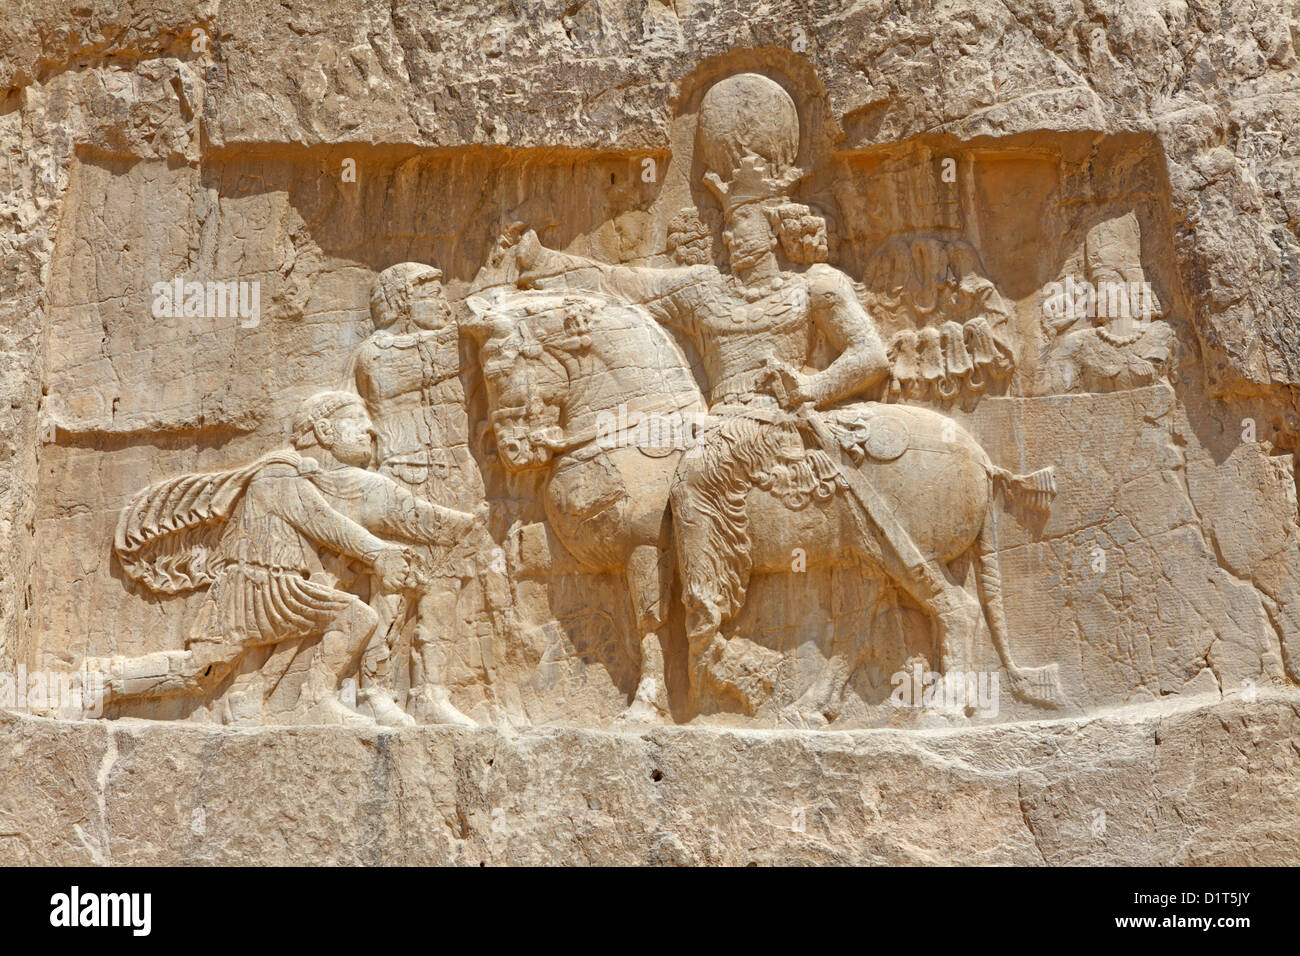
{"x":407,"y":373}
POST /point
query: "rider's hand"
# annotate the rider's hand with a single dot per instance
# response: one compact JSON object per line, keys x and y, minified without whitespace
{"x":804,"y":389}
{"x":799,"y":388}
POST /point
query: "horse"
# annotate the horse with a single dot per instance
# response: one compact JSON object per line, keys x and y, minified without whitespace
{"x":577,"y":382}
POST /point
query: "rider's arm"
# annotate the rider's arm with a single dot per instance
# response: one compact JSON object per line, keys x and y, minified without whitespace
{"x":862,"y":361}
{"x":665,"y":293}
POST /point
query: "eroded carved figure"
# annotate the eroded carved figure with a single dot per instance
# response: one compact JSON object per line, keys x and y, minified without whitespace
{"x":407,"y":374}
{"x":1107,"y":334}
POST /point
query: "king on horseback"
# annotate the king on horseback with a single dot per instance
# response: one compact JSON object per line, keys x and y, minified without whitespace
{"x":774,"y":421}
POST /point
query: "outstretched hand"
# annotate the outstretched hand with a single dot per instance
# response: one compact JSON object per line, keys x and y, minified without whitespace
{"x":510,"y":234}
{"x":518,"y":241}
{"x":393,"y":567}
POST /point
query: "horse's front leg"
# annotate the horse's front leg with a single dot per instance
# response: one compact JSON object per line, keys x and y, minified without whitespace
{"x":649,"y":580}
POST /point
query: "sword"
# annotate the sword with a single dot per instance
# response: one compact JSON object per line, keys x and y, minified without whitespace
{"x":874,"y":507}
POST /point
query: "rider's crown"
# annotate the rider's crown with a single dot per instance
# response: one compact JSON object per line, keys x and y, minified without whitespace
{"x":751,"y":183}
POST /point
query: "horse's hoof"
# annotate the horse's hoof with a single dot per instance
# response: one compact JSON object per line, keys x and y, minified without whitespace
{"x":1040,"y":686}
{"x":332,"y":712}
{"x":384,"y":710}
{"x":432,"y":706}
{"x":640,"y":712}
{"x":649,"y":706}
{"x":935,"y":718}
{"x":795,"y":719}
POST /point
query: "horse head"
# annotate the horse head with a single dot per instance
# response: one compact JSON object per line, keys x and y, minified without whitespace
{"x":554,"y":363}
{"x":529,"y":348}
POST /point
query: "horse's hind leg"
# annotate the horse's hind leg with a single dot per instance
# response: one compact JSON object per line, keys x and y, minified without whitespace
{"x":649,"y":579}
{"x":827,"y":699}
{"x":955,"y":611}
{"x":957,"y":614}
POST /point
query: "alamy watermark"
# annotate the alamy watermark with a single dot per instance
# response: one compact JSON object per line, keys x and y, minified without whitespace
{"x":977,"y":691}
{"x":67,"y":694}
{"x":209,"y":300}
{"x":650,"y":431}
{"x":75,"y":908}
{"x":1107,"y":300}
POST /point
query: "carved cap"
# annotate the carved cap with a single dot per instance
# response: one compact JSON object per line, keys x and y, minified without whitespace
{"x":318,"y":407}
{"x":748,"y":124}
{"x":394,"y":287}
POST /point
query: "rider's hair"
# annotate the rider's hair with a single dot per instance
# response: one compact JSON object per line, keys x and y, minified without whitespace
{"x":690,"y":239}
{"x":391,"y":294}
{"x":320,"y":406}
{"x":802,"y":232}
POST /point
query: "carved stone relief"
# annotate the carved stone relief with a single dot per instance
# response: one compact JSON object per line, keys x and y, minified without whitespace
{"x":795,"y":439}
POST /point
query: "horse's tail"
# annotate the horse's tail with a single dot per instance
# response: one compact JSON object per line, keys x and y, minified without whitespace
{"x":1037,"y":685}
{"x":1034,"y":490}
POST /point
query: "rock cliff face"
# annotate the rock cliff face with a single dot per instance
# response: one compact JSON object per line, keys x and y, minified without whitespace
{"x":775,"y":369}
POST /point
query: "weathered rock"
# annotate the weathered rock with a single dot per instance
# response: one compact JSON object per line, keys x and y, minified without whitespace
{"x":1174,"y":784}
